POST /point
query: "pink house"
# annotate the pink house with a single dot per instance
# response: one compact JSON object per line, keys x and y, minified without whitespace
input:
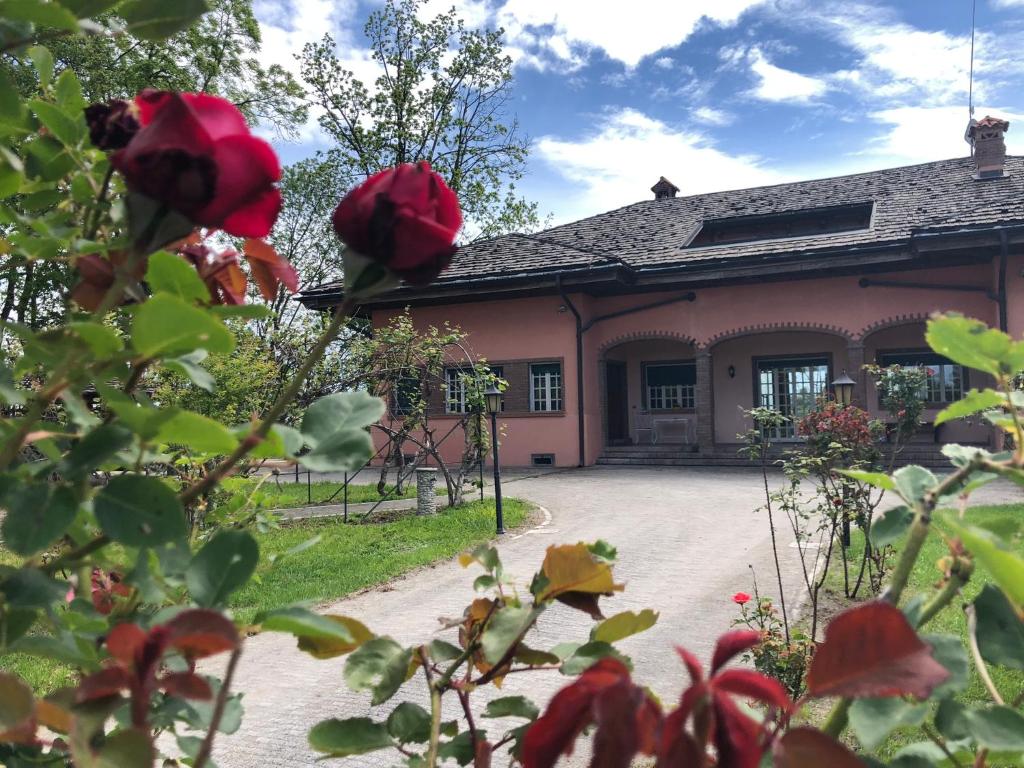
{"x":641,"y":334}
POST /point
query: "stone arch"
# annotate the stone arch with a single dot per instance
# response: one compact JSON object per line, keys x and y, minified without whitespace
{"x":627,"y":338}
{"x":751,"y":330}
{"x":892,"y":321}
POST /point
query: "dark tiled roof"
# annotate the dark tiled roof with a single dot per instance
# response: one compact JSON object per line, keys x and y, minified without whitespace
{"x":654,"y":233}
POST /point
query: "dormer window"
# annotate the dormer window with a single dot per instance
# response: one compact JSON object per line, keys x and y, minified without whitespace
{"x":777,"y":226}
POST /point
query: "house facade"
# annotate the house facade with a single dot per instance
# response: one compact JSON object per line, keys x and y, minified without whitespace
{"x":643,"y":334}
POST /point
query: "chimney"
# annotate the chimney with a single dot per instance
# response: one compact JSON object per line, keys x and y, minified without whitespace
{"x":988,"y":147}
{"x":664,"y":189}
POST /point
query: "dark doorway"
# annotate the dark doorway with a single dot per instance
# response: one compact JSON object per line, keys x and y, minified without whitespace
{"x":618,"y":403}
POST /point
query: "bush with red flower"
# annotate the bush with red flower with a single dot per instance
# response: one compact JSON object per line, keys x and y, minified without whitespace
{"x":843,"y":432}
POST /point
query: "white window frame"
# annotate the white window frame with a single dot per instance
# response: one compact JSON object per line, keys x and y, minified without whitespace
{"x":670,"y":397}
{"x":546,"y":389}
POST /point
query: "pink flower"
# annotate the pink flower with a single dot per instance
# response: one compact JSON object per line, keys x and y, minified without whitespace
{"x":741,"y":598}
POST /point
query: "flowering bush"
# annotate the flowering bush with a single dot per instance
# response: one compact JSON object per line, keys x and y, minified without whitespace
{"x":845,"y":432}
{"x":780,"y":657}
{"x":902,"y":392}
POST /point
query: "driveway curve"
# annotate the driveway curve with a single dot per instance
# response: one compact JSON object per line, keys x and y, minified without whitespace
{"x":685,"y":537}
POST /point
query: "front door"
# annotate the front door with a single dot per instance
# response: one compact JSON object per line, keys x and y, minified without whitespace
{"x":618,"y":403}
{"x":792,"y":387}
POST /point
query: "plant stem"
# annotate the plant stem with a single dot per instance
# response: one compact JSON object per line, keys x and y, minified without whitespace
{"x":943,"y":597}
{"x":218,"y":711}
{"x":74,"y":555}
{"x":979,"y":662}
{"x":289,"y":393}
{"x":775,"y":547}
{"x":837,"y":718}
{"x":435,"y":711}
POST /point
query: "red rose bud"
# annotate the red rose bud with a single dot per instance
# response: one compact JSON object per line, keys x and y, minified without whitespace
{"x":111,"y":125}
{"x":741,"y":598}
{"x":196,"y":155}
{"x":404,"y":218}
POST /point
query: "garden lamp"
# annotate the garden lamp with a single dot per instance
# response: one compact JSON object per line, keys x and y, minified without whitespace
{"x":494,"y":396}
{"x":843,"y":388}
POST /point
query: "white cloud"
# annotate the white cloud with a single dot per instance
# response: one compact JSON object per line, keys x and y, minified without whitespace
{"x":617,"y":164}
{"x":667,"y":62}
{"x":712,"y":116}
{"x":541,"y":30}
{"x":778,"y":84}
{"x":921,"y":134}
{"x":1008,"y":3}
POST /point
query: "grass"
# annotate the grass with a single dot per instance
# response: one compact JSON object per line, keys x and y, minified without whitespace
{"x":1008,"y":521}
{"x":287,"y":493}
{"x":346,"y":558}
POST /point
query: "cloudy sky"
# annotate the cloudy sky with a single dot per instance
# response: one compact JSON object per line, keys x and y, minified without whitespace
{"x":715,"y":94}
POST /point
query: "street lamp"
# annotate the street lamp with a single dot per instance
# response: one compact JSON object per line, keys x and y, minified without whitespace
{"x":843,"y":387}
{"x":494,"y":396}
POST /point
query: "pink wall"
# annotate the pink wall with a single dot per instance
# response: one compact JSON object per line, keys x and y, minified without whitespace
{"x":733,"y":322}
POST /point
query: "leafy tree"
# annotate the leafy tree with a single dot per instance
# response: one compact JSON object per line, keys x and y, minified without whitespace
{"x":442,"y":96}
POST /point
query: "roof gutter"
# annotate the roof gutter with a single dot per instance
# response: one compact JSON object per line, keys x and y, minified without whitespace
{"x":579,"y":369}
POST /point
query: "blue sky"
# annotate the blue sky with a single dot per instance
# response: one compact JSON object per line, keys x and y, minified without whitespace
{"x":714,"y":94}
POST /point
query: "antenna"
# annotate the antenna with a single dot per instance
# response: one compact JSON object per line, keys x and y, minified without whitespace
{"x":970,"y":87}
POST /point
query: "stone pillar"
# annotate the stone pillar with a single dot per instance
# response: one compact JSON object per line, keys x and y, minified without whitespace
{"x":705,"y":402}
{"x":855,"y":370}
{"x":426,"y":491}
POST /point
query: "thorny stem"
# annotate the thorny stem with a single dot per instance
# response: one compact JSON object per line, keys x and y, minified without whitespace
{"x":218,"y":711}
{"x":957,"y":579}
{"x":775,"y":548}
{"x":435,"y":710}
{"x":283,"y":401}
{"x":940,"y":743}
{"x":979,"y":662}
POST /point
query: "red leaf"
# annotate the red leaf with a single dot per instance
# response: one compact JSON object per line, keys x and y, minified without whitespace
{"x":740,"y":740}
{"x":186,"y":685}
{"x":200,"y":632}
{"x":626,"y":724}
{"x":269,"y":269}
{"x":808,"y":748}
{"x":568,"y":713}
{"x":732,"y":643}
{"x":753,"y":685}
{"x":124,"y":642}
{"x":872,"y":651}
{"x":692,"y":664}
{"x":106,"y":682}
{"x":677,"y":747}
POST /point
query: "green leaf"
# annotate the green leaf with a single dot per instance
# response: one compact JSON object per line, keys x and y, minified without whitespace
{"x":37,"y":515}
{"x":912,"y":482}
{"x":891,"y":526}
{"x":874,"y":719}
{"x":167,"y":273}
{"x":877,"y":479}
{"x":68,"y":130}
{"x":102,"y":340}
{"x":42,"y":14}
{"x":98,"y":446}
{"x":166,"y":325}
{"x":281,"y":442}
{"x":159,"y":19}
{"x":409,"y":723}
{"x":47,"y":159}
{"x":624,"y":624}
{"x":505,"y":628}
{"x":86,"y":8}
{"x":440,"y":650}
{"x":1006,"y":567}
{"x":355,"y":736}
{"x":460,"y":748}
{"x":130,"y":748}
{"x":198,"y":432}
{"x":330,"y":647}
{"x":334,"y":427}
{"x":243,"y":311}
{"x":43,"y":61}
{"x":512,"y":706}
{"x":223,"y":565}
{"x":1000,"y":630}
{"x":535,"y":658}
{"x":972,"y":343}
{"x":950,"y":720}
{"x":9,"y":391}
{"x":31,"y":588}
{"x":68,"y":91}
{"x":140,"y":511}
{"x":347,"y":450}
{"x":589,"y":654}
{"x":949,"y":651}
{"x":17,"y":706}
{"x":973,"y":402}
{"x":189,"y":367}
{"x":10,"y":181}
{"x":997,"y":728}
{"x":302,"y":622}
{"x":379,"y":665}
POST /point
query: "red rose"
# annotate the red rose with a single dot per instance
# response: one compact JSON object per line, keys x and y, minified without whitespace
{"x":741,"y":598}
{"x":195,"y":154}
{"x":404,"y":218}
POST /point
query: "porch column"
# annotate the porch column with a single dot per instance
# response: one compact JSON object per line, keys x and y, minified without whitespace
{"x":705,"y":398}
{"x":855,"y":370}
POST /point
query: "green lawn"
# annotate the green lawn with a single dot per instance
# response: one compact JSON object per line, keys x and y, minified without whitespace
{"x":285,"y":492}
{"x":347,"y":557}
{"x":1008,"y":521}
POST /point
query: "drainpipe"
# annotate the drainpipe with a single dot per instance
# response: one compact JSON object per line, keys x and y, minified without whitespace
{"x":579,"y":368}
{"x":1001,"y":289}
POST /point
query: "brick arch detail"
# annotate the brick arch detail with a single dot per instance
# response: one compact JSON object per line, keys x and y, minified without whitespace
{"x":751,"y":330}
{"x":893,"y":321}
{"x":627,"y":338}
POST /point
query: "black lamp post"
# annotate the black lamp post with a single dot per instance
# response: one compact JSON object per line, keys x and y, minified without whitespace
{"x":843,"y":387}
{"x":494,"y":396}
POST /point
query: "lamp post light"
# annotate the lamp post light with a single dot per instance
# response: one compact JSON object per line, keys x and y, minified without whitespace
{"x":494,"y":396}
{"x":843,"y":387}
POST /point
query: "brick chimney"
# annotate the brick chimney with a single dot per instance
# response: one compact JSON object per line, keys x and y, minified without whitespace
{"x":664,"y":189}
{"x":988,"y":147}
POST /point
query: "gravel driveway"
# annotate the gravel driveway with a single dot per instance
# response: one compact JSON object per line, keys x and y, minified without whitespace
{"x":685,"y":538}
